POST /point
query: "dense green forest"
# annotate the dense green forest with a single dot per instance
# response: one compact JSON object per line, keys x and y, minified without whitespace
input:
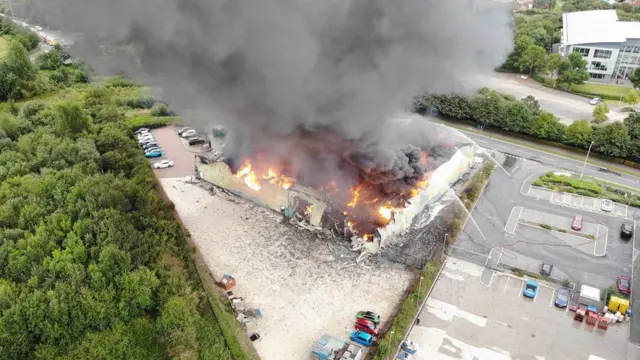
{"x":93,"y":263}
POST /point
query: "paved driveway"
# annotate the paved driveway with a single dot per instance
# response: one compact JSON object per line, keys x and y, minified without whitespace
{"x":173,"y":149}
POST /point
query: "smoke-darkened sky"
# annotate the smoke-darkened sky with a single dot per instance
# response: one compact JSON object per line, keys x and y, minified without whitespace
{"x":272,"y":67}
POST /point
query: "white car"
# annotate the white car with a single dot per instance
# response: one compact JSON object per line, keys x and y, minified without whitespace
{"x":188,"y":133}
{"x":607,"y":205}
{"x":595,"y":101}
{"x":145,"y":137}
{"x":163,"y":164}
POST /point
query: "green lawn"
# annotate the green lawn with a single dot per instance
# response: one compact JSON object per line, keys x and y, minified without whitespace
{"x":611,"y":92}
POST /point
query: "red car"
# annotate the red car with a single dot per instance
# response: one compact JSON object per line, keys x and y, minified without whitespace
{"x":367,"y":326}
{"x":577,"y":223}
{"x":623,"y":283}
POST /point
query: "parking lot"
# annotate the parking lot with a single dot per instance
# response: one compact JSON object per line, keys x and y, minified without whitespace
{"x":578,"y":202}
{"x":464,"y":319}
{"x":172,"y":149}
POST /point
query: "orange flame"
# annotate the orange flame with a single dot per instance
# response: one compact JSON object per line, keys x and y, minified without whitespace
{"x":250,"y":178}
{"x":308,"y":210}
{"x":355,"y":198}
{"x":386,"y":211}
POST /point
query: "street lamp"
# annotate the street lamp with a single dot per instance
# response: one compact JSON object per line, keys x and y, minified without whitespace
{"x":419,"y":288}
{"x":585,"y":160}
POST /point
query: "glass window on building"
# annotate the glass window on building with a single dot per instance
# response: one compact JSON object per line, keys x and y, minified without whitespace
{"x":636,"y":50}
{"x":597,"y":65}
{"x":596,"y":76}
{"x":583,"y":51}
{"x":602,"y":54}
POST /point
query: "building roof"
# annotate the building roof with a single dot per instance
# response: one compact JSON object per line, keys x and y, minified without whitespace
{"x":597,"y":26}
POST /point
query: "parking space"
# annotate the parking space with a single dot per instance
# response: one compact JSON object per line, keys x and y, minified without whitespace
{"x":173,"y":149}
{"x":464,"y":319}
{"x":577,"y":202}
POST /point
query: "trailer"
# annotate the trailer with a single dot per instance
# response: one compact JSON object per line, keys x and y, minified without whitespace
{"x":589,"y":296}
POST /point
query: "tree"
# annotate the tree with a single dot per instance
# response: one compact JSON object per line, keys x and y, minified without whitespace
{"x":532,"y":103}
{"x":18,"y":62}
{"x":573,"y":70}
{"x":600,"y":113}
{"x":71,"y":119}
{"x":488,"y":108}
{"x":552,"y":64}
{"x":578,"y":133}
{"x":518,"y":118}
{"x":631,"y":97}
{"x":612,"y":139}
{"x":635,"y":78}
{"x":532,"y":58}
{"x":633,"y":124}
{"x":544,"y":4}
{"x":547,"y":126}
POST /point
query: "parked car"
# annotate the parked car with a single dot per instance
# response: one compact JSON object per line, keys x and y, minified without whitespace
{"x":184,"y":129}
{"x":152,"y":149}
{"x":530,"y":289}
{"x":626,"y":230}
{"x":367,"y":326}
{"x":362,"y":338}
{"x":577,"y":223}
{"x":150,"y":145}
{"x":369,"y":315}
{"x":562,"y":298}
{"x":623,"y":284}
{"x":141,"y":131}
{"x":163,"y":164}
{"x":188,"y":133}
{"x":146,"y":137}
{"x":152,"y":154}
{"x":607,"y":205}
{"x":595,"y":101}
{"x":545,"y":269}
{"x":196,"y":140}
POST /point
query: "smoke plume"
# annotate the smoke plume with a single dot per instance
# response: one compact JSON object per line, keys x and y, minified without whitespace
{"x":271,"y":68}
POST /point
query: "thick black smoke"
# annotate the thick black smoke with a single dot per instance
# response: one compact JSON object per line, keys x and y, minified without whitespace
{"x":275,"y":67}
{"x":397,"y":169}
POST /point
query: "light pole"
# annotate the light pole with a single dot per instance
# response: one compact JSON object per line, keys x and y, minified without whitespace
{"x":419,"y":288}
{"x":585,"y":160}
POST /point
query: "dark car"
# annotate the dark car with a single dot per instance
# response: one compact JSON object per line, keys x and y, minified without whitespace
{"x":149,"y":145}
{"x":196,"y":140}
{"x":623,"y":284}
{"x":545,"y":269}
{"x":626,"y":230}
{"x":562,"y":298}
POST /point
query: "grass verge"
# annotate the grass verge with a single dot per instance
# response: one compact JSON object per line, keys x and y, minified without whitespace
{"x":605,"y":91}
{"x":563,"y":183}
{"x":403,"y":321}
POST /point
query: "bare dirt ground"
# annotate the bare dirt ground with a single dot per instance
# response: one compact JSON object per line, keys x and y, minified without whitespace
{"x":304,"y":286}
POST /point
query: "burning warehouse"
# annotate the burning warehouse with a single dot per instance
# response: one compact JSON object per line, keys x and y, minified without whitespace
{"x":372,"y":192}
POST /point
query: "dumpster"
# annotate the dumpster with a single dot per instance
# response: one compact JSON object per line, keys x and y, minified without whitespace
{"x":618,"y":304}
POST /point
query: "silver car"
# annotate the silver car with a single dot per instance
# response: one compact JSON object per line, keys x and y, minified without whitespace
{"x":595,"y":101}
{"x":607,"y":205}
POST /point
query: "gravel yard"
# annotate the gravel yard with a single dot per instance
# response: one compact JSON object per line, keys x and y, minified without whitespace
{"x":304,"y":286}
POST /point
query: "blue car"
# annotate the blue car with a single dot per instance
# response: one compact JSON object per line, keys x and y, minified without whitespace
{"x":362,"y":338}
{"x":530,"y":289}
{"x":152,"y":154}
{"x":562,"y":298}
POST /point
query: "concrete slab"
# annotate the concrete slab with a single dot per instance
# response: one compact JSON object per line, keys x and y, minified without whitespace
{"x":581,"y":243}
{"x":512,"y":221}
{"x":540,"y":193}
{"x":558,"y":222}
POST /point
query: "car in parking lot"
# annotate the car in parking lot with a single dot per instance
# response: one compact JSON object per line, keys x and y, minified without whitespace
{"x":196,"y":140}
{"x":623,"y":284}
{"x":530,"y":289}
{"x":184,"y":129}
{"x":367,"y":326}
{"x":152,"y":154}
{"x":146,"y":138}
{"x":577,"y":223}
{"x":188,"y":133}
{"x":545,"y":269}
{"x":626,"y":230}
{"x":163,"y":164}
{"x":362,"y":338}
{"x":595,"y":101}
{"x":141,"y":131}
{"x":607,"y":205}
{"x":152,"y":149}
{"x":562,"y":298}
{"x":369,"y":315}
{"x":148,"y":145}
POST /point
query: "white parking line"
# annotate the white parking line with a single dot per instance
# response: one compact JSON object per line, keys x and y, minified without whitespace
{"x":505,"y":285}
{"x":551,"y":301}
{"x":521,"y":288}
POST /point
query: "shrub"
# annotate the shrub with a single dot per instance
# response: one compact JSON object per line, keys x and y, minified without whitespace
{"x":31,"y":109}
{"x":151,"y":122}
{"x":119,"y":81}
{"x":143,"y":102}
{"x":160,"y":109}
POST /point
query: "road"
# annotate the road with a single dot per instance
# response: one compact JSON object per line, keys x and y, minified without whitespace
{"x":568,"y":107}
{"x":554,"y":160}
